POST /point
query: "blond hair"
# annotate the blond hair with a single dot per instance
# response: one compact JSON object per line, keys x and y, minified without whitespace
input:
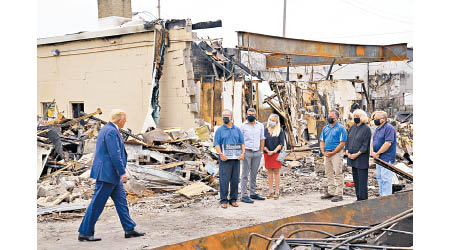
{"x":276,"y":131}
{"x":117,"y":115}
{"x":362,"y":115}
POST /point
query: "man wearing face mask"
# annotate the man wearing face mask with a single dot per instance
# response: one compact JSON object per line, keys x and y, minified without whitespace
{"x":384,"y":147}
{"x":253,"y":132}
{"x":229,"y":144}
{"x":332,"y":141}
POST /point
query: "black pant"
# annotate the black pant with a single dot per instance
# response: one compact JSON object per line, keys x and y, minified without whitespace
{"x":229,"y":180}
{"x":360,"y":179}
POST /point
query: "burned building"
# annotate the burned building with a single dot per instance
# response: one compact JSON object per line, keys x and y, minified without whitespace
{"x":113,"y":69}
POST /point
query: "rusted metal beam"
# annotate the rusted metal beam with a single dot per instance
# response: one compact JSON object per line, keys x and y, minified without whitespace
{"x":307,"y":52}
{"x":363,"y":213}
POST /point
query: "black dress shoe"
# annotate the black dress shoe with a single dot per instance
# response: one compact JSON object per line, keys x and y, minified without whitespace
{"x":83,"y":237}
{"x":326,"y":196}
{"x":133,"y":233}
{"x":337,"y":198}
{"x":257,"y":197}
{"x":246,"y":200}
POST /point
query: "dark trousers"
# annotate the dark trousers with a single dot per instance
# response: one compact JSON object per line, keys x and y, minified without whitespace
{"x":103,"y":190}
{"x":360,"y":179}
{"x":229,"y":179}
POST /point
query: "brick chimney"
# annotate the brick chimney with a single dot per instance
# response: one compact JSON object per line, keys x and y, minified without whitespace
{"x":120,"y":8}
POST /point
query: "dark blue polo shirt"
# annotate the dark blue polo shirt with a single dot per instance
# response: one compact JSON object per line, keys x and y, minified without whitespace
{"x":385,"y":134}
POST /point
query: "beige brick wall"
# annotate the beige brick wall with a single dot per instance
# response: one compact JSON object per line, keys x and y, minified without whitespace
{"x":101,"y":74}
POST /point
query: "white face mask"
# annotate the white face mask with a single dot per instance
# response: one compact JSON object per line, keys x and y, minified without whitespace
{"x":272,"y":124}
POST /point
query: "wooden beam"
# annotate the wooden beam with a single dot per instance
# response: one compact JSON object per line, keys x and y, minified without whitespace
{"x":170,"y":165}
{"x":68,"y":165}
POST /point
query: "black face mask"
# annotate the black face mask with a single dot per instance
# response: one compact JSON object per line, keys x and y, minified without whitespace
{"x":330,"y":120}
{"x":357,"y":120}
{"x":377,"y":122}
{"x":226,"y":120}
{"x":251,"y":118}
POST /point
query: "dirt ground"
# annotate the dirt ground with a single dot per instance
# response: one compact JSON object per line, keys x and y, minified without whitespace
{"x":169,"y":218}
{"x":167,"y":226}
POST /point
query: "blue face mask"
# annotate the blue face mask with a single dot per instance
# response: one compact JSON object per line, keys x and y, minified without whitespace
{"x":272,"y":124}
{"x":226,"y":120}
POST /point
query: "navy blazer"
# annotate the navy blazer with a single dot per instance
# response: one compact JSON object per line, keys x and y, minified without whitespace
{"x":110,"y":158}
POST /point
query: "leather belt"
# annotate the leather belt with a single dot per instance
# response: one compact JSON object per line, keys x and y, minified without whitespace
{"x":251,"y":150}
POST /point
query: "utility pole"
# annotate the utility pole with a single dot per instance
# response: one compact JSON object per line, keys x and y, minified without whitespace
{"x":159,"y":10}
{"x":284,"y":19}
{"x":370,"y":107}
{"x":284,"y":35}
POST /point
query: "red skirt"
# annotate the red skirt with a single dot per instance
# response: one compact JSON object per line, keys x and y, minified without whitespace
{"x":270,"y":161}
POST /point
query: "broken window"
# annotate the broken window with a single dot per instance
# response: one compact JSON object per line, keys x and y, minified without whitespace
{"x":77,"y":107}
{"x":48,"y":111}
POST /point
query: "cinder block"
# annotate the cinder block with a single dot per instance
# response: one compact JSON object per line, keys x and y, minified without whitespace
{"x":191,"y":90}
{"x":193,"y":107}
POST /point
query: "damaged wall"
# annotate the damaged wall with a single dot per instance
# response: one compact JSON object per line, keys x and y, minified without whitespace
{"x":391,"y":83}
{"x":115,"y":72}
{"x":392,"y":89}
{"x":341,"y":93}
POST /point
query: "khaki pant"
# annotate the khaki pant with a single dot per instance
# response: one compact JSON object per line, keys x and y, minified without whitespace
{"x":333,"y":172}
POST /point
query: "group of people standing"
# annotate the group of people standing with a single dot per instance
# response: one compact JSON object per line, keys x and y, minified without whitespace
{"x":247,"y":143}
{"x":358,"y":144}
{"x":252,"y":140}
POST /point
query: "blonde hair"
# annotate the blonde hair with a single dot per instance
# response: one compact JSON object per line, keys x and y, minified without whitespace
{"x":362,"y":115}
{"x":117,"y":115}
{"x":276,"y":131}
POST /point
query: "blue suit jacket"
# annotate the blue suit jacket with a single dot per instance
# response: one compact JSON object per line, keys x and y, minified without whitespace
{"x":110,"y":157}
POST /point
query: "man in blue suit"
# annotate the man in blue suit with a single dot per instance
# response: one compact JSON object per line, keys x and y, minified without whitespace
{"x":108,"y":169}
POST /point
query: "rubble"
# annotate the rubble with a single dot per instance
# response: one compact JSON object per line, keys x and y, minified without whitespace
{"x":404,"y":129}
{"x":169,"y":160}
{"x":197,"y":188}
{"x":180,"y":163}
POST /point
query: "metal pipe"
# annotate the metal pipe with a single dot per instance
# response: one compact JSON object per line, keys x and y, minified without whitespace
{"x":376,"y":228}
{"x":258,"y":235}
{"x":310,"y":230}
{"x":159,"y":10}
{"x":328,"y":245}
{"x":312,"y":223}
{"x":338,"y":225}
{"x":284,"y":20}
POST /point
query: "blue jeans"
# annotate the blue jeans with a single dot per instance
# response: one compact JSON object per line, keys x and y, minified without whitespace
{"x":103,"y":190}
{"x":384,"y":177}
{"x":229,"y":180}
